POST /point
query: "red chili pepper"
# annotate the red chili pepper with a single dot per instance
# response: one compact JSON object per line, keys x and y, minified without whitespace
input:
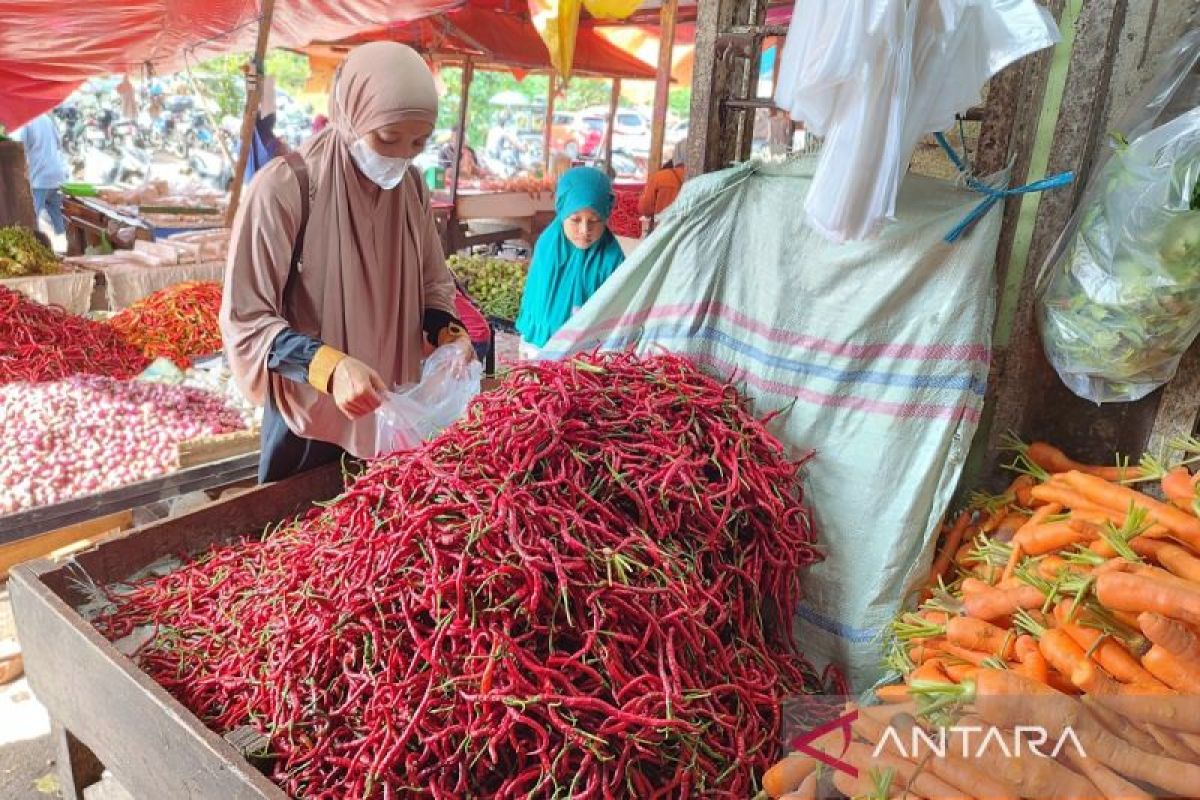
{"x":178,"y":322}
{"x":561,"y":594}
{"x":46,"y":343}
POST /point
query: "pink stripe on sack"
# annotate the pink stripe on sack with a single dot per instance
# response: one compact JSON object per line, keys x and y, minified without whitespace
{"x":929,"y":352}
{"x":898,"y":410}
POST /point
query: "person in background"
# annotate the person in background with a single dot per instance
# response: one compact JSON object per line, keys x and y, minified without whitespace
{"x":471,"y":167}
{"x":474,"y":321}
{"x":664,"y":185}
{"x":46,"y":172}
{"x":318,"y":323}
{"x":573,"y":257}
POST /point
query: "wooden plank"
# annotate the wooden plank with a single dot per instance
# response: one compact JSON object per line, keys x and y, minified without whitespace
{"x":217,"y":448}
{"x":460,"y":130}
{"x":614,"y":102}
{"x":246,"y":512}
{"x":1028,"y":396}
{"x":1178,"y":411}
{"x":253,"y":98}
{"x":33,"y":547}
{"x":662,"y":84}
{"x":709,"y":75}
{"x":16,"y":201}
{"x":548,"y":134}
{"x":153,"y":745}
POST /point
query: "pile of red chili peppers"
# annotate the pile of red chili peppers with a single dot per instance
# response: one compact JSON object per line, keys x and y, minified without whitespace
{"x":46,"y":343}
{"x":177,"y":322}
{"x":566,"y":594}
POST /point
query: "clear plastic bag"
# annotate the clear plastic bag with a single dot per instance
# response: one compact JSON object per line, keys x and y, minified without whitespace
{"x":1119,"y":295}
{"x":417,"y":411}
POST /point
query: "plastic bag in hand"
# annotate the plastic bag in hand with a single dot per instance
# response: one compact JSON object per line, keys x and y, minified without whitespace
{"x":415,"y":412}
{"x":1119,"y":296}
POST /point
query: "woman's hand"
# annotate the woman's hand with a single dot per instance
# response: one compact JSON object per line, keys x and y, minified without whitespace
{"x":464,"y":353}
{"x":356,"y":388}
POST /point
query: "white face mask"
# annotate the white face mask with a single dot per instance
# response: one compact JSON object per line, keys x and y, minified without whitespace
{"x":383,"y":171}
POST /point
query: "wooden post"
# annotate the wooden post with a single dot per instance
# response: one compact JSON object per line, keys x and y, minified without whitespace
{"x":460,"y":129}
{"x":16,"y":201}
{"x":612,"y":123}
{"x":1028,"y":396}
{"x":253,"y":97}
{"x":453,"y":234}
{"x":662,"y":84}
{"x":549,"y":136}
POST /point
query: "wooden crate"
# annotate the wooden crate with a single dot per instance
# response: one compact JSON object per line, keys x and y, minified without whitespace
{"x":103,"y":704}
{"x":47,"y":543}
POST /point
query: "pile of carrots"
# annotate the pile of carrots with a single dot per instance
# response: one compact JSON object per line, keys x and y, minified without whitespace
{"x":1073,"y":598}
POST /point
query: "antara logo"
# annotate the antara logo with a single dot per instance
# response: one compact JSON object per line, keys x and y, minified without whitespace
{"x":960,"y":741}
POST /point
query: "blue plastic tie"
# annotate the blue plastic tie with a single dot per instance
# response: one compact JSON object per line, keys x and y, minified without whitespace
{"x":992,"y":194}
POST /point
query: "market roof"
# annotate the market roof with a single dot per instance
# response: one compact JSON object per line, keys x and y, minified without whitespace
{"x":496,"y":39}
{"x":48,"y":48}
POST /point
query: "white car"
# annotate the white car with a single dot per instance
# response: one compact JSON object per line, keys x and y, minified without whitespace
{"x":631,"y":133}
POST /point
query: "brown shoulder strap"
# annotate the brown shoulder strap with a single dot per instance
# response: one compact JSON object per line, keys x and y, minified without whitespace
{"x":300,"y":170}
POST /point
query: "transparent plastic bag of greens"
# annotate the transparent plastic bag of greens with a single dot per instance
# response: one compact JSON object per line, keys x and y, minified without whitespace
{"x":1119,"y":295}
{"x":418,"y":411}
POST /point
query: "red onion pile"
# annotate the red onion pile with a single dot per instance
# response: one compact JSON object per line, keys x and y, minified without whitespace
{"x":87,"y":434}
{"x":569,"y":593}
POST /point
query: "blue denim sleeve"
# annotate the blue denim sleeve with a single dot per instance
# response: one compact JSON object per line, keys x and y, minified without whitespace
{"x":291,"y":353}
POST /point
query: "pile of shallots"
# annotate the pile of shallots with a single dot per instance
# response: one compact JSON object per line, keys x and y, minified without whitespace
{"x":86,"y":434}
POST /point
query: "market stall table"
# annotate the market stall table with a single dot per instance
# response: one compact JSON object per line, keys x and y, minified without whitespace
{"x":104,"y":707}
{"x":72,"y":288}
{"x":87,"y":218}
{"x":525,"y":216}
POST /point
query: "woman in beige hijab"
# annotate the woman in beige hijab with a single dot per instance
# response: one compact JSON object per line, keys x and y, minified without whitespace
{"x":321,"y":315}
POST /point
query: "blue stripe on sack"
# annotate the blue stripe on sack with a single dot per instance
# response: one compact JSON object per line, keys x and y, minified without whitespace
{"x":852,"y":634}
{"x":972,"y":383}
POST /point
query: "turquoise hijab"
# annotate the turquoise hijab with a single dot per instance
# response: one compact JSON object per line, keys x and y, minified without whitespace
{"x":562,"y":277}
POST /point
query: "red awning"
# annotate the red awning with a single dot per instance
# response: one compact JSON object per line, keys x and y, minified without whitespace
{"x":49,"y":47}
{"x":509,"y":40}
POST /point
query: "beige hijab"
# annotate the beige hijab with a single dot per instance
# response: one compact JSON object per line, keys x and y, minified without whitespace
{"x":372,"y":258}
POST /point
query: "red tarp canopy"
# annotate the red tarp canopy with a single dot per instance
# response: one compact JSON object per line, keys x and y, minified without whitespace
{"x":49,"y":47}
{"x":499,"y":39}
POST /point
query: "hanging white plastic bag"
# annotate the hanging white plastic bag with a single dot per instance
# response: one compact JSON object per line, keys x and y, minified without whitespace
{"x":417,"y":411}
{"x":1119,"y":296}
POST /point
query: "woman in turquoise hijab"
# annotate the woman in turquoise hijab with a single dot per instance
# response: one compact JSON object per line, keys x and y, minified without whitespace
{"x":572,"y":258}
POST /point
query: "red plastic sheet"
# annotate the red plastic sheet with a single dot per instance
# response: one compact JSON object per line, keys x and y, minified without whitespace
{"x":508,"y":40}
{"x":49,"y":47}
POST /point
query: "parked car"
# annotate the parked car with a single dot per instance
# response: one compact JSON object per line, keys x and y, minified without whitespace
{"x":631,"y":131}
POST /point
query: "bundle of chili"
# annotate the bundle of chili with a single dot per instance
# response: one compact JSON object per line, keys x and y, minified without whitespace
{"x":46,"y":343}
{"x":177,"y":322}
{"x":566,"y":594}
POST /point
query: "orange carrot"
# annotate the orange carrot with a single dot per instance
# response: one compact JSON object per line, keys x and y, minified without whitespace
{"x":960,"y":672}
{"x":1182,"y":525}
{"x":1051,"y":459}
{"x":1176,"y":560}
{"x":1180,"y":675}
{"x":922,"y":650}
{"x":1108,"y":653}
{"x":932,"y":670}
{"x":950,"y":547}
{"x":1065,"y":496}
{"x":1067,"y":657}
{"x":806,"y":791}
{"x":1178,"y":488}
{"x":1121,"y":591}
{"x":1174,"y":637}
{"x":1022,"y":490}
{"x":787,"y":774}
{"x":1053,"y":537}
{"x":1110,"y":783}
{"x":893,"y":693}
{"x":994,"y":604}
{"x":974,"y":586}
{"x":976,"y":634}
{"x":1009,"y":526}
{"x":963,"y":556}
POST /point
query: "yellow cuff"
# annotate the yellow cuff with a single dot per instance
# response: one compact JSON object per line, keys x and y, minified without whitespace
{"x":320,"y":369}
{"x":451,"y":333}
